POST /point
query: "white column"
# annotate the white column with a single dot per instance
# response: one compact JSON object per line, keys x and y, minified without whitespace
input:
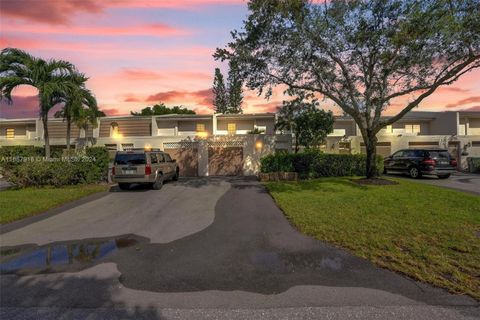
{"x":203,"y":158}
{"x":214,"y":124}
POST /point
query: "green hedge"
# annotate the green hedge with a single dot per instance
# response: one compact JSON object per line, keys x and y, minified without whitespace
{"x":27,"y":167}
{"x":29,"y":151}
{"x":315,"y":164}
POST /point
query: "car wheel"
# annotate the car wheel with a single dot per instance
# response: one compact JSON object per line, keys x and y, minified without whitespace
{"x":158,"y":184}
{"x":124,"y":186}
{"x":444,"y":176}
{"x":175,"y":176}
{"x":414,"y":173}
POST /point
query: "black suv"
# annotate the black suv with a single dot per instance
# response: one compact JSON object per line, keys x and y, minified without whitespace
{"x":417,"y":162}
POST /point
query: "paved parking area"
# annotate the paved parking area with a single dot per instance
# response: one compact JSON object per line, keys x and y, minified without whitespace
{"x":204,"y":248}
{"x":467,"y":182}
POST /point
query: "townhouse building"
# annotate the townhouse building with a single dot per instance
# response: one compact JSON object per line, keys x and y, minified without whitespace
{"x":230,"y":144}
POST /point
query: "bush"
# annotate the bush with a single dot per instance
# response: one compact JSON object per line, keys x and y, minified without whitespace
{"x":315,"y":164}
{"x":473,"y":164}
{"x":90,"y":166}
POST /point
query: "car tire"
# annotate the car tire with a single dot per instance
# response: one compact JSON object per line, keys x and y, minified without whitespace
{"x":414,"y":173}
{"x":176,"y":175}
{"x":124,"y":186}
{"x":444,"y":176}
{"x":158,"y":184}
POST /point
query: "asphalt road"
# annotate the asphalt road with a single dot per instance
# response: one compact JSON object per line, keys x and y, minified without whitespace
{"x":204,"y":249}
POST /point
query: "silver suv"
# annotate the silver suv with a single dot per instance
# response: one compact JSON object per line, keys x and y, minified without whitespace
{"x":143,"y":166}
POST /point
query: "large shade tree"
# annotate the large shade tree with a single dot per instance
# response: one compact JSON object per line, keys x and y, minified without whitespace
{"x":75,"y":100}
{"x":52,"y":79}
{"x":360,"y":54}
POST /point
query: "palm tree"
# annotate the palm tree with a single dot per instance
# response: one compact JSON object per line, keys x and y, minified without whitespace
{"x":52,"y":79}
{"x":86,"y":117}
{"x":75,"y":100}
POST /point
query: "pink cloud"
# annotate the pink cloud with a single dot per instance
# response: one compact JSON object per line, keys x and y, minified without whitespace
{"x":51,"y":12}
{"x":200,"y":97}
{"x":23,"y":107}
{"x":140,"y":74}
{"x":463,"y":102}
{"x":112,"y":111}
{"x":153,"y":29}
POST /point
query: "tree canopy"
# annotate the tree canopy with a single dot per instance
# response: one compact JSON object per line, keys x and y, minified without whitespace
{"x":309,"y":125}
{"x":161,"y":109}
{"x":228,"y":98}
{"x":220,"y":94}
{"x":361,"y":55}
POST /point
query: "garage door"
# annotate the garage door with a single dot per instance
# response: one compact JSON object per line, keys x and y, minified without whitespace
{"x":384,"y":149}
{"x":225,"y":161}
{"x":186,"y":156}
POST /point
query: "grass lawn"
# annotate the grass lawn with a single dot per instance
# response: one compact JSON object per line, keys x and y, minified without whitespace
{"x":21,"y":203}
{"x":426,"y":232}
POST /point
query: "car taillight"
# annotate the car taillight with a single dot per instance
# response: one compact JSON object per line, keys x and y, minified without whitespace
{"x":428,"y":162}
{"x":113,"y":171}
{"x":453,"y":162}
{"x":148,"y":169}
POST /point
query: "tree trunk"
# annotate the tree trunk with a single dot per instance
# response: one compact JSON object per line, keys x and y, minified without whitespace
{"x":371,"y":165}
{"x":296,"y":143}
{"x":69,"y":125}
{"x":45,"y":135}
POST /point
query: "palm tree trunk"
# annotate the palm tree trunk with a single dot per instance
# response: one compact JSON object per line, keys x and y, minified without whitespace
{"x":45,"y":135}
{"x":69,"y":126}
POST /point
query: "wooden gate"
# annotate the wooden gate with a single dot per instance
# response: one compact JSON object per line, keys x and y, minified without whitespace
{"x":186,"y":154}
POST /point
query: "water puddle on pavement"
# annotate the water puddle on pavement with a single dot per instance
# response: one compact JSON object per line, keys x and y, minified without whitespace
{"x":59,"y":256}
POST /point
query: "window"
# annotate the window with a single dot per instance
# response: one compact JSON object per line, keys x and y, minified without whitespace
{"x":167,"y":157}
{"x":398,"y":154}
{"x":111,"y":147}
{"x":200,"y":127}
{"x":127,"y":146}
{"x":412,"y":128}
{"x":10,"y":133}
{"x":232,"y":128}
{"x":389,"y":129}
{"x":160,"y":157}
{"x":153,"y":158}
{"x":114,"y":129}
{"x":130,"y":158}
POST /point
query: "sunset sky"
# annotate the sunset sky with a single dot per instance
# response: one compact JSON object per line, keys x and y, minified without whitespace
{"x":141,"y":52}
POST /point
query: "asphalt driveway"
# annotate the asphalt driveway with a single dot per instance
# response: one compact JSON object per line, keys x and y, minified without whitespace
{"x":201,"y":248}
{"x":466,"y":182}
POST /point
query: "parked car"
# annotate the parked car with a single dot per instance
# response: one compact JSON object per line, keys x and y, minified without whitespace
{"x":418,"y":162}
{"x":143,"y":166}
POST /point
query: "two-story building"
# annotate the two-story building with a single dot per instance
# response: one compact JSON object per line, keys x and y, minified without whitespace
{"x":219,"y":144}
{"x":224,"y":144}
{"x":457,"y":131}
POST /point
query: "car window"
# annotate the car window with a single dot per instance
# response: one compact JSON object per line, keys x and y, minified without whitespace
{"x":167,"y":157}
{"x":439,"y":154}
{"x":398,"y":154}
{"x":160,"y":157}
{"x":130,"y":158}
{"x":419,"y":153}
{"x":153,"y":158}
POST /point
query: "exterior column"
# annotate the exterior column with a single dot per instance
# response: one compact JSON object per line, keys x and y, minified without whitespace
{"x":203,"y":158}
{"x":214,"y":124}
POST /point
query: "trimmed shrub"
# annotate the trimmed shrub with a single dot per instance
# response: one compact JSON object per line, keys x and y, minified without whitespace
{"x":315,"y":164}
{"x":29,"y":168}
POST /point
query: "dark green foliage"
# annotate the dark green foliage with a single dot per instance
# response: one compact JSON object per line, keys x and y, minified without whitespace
{"x":220,"y":95}
{"x":91,"y":167}
{"x":235,"y":89}
{"x":161,"y":109}
{"x":315,"y":164}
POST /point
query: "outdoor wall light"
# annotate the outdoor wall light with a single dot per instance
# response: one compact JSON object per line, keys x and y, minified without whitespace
{"x":258,"y":145}
{"x":202,"y":134}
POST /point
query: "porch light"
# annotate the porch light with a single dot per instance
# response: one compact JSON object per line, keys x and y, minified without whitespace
{"x":258,"y":145}
{"x":202,"y":134}
{"x":147,"y":147}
